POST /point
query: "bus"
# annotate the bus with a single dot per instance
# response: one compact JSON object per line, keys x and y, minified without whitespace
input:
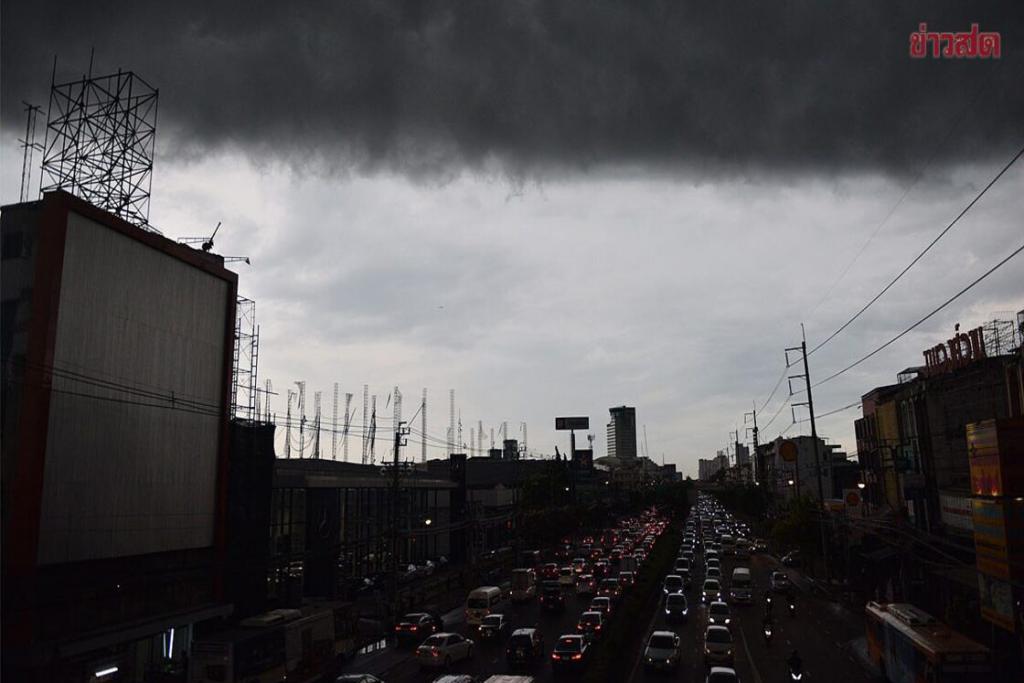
{"x":297,"y":645}
{"x":524,"y":584}
{"x":908,"y":645}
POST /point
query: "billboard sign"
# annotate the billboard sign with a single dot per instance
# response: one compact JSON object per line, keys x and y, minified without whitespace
{"x":955,"y":511}
{"x":788,"y":450}
{"x":567,"y":423}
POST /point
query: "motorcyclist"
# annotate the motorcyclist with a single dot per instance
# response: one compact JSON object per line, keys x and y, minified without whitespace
{"x":795,"y":665}
{"x":769,"y":628}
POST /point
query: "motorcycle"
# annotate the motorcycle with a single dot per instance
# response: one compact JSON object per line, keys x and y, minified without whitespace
{"x":795,"y":664}
{"x":792,"y":609}
{"x":768,"y":630}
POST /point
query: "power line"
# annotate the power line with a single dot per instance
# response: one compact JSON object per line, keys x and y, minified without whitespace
{"x":939,"y":308}
{"x":925,"y":251}
{"x":906,"y":191}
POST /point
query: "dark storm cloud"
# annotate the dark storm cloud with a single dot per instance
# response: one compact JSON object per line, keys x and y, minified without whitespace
{"x":432,"y":88}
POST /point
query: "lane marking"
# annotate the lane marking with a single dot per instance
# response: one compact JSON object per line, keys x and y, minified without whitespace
{"x":746,"y":649}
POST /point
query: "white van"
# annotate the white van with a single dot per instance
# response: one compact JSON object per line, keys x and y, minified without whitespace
{"x":481,"y":602}
{"x":728,"y":544}
{"x":741,"y":588}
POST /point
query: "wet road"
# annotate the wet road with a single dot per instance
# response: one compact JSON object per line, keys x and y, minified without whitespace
{"x":820,"y":632}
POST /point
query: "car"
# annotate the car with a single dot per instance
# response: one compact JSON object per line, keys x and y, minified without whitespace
{"x":567,"y":576}
{"x":682,"y":564}
{"x":626,"y":579}
{"x":719,"y":613}
{"x":357,"y":678}
{"x":455,"y":678}
{"x":590,"y":624}
{"x":443,"y":649}
{"x":601,"y":604}
{"x":712,"y":561}
{"x":602,"y":568}
{"x":525,"y":645}
{"x":676,"y":607}
{"x":791,"y":559}
{"x":687,"y":579}
{"x":579,"y":565}
{"x":570,"y":652}
{"x":493,"y":627}
{"x":778,"y":582}
{"x":713,"y":573}
{"x":673,"y":583}
{"x":610,"y":588}
{"x":718,"y":645}
{"x":551,"y":597}
{"x":663,"y":651}
{"x":722,"y":674}
{"x":711,"y":590}
{"x":417,"y":625}
{"x":586,"y":584}
{"x":549,"y":571}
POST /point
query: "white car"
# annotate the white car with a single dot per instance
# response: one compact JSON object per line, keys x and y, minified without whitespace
{"x":719,"y":613}
{"x":722,"y":674}
{"x":718,"y":645}
{"x":443,"y":649}
{"x":663,"y":651}
{"x":711,"y":591}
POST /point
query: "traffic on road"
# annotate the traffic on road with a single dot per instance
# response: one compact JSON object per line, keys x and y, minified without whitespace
{"x":724,"y":611}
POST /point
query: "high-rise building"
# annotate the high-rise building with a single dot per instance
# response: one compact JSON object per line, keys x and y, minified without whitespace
{"x":742,"y":454}
{"x":622,"y":432}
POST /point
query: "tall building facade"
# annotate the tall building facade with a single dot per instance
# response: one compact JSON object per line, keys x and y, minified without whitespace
{"x":622,"y":432}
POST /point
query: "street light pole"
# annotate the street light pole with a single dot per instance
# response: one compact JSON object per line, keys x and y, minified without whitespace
{"x":401,"y":431}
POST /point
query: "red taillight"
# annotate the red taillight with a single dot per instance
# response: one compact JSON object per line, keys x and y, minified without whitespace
{"x":554,"y":655}
{"x":577,"y":657}
{"x":398,"y":628}
{"x":435,"y":652}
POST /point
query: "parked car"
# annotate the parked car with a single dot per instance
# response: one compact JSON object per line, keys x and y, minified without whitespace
{"x":493,"y":627}
{"x":357,"y":678}
{"x":663,"y":651}
{"x":571,"y":652}
{"x":525,"y":645}
{"x":718,"y":645}
{"x":443,"y":649}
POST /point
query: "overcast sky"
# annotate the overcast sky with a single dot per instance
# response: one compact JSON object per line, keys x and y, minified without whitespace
{"x":557,"y":207}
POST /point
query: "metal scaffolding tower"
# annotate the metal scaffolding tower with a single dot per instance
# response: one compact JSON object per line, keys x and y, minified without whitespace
{"x":348,"y":422}
{"x":423,"y":427}
{"x":365,"y":426}
{"x":100,"y":135}
{"x":245,"y":361}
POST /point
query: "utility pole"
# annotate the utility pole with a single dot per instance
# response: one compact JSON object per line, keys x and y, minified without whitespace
{"x":753,"y":433}
{"x":814,"y":440}
{"x":401,"y":432}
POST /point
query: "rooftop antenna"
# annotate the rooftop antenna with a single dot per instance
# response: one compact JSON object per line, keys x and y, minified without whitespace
{"x":30,"y":145}
{"x":206,"y":243}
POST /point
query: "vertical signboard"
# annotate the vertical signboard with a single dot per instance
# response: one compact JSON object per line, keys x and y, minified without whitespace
{"x":999,"y":548}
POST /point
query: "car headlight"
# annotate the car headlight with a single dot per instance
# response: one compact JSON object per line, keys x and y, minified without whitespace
{"x":667,"y":612}
{"x":726,"y":621}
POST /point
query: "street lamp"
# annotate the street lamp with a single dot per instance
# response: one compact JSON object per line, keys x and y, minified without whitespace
{"x":428,"y":521}
{"x":861,"y":485}
{"x":790,"y":482}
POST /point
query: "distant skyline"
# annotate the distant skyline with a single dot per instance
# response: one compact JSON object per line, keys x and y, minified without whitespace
{"x":556,"y":208}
